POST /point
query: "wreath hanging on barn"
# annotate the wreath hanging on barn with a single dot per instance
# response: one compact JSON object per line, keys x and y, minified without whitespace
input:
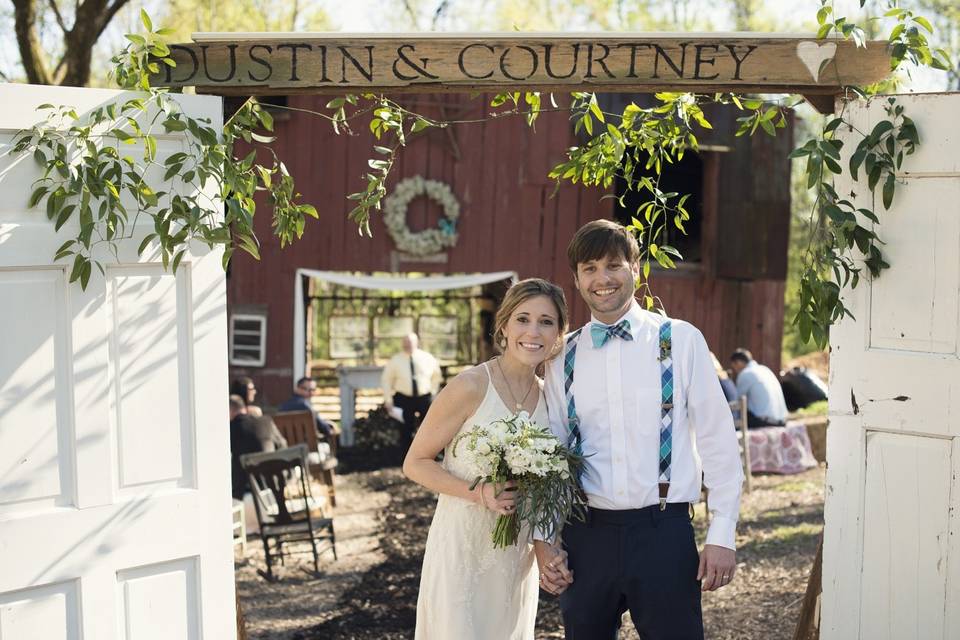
{"x":428,"y":241}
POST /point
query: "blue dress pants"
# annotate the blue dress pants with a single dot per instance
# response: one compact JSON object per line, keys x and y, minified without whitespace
{"x":641,"y":560}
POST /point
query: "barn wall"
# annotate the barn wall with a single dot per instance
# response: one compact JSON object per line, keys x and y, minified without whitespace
{"x":512,"y":218}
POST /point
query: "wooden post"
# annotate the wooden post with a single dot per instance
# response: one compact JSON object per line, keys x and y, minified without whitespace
{"x":241,"y":621}
{"x":808,"y":626}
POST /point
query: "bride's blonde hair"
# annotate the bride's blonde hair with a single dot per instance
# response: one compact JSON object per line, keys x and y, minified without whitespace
{"x":520,"y":293}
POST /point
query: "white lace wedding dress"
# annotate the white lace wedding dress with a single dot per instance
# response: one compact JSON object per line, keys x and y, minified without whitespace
{"x":468,"y":589}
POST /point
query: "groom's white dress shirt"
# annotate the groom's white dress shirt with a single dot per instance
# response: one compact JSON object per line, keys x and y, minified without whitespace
{"x":617,"y":394}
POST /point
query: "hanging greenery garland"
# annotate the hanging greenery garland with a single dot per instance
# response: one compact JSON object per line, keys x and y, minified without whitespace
{"x":428,"y":241}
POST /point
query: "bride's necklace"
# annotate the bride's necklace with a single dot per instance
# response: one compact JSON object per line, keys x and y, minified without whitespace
{"x":510,"y":390}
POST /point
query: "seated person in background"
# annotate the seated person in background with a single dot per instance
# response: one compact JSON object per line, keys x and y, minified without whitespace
{"x":765,"y":403}
{"x":729,"y":388}
{"x":300,"y":401}
{"x":248,"y":434}
{"x":244,"y":387}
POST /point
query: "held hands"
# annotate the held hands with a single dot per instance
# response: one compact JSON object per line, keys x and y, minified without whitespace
{"x":717,"y":566}
{"x":499,"y":498}
{"x":555,"y":577}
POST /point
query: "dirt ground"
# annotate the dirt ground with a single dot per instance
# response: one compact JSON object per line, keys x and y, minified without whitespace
{"x":382,"y":522}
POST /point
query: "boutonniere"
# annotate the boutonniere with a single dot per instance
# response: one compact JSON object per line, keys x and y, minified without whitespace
{"x":665,"y":348}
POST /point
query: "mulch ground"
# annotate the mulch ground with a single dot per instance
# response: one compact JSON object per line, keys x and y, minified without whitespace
{"x":382,"y":522}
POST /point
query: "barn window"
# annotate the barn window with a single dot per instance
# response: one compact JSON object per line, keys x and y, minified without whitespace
{"x":349,"y":337}
{"x":685,"y":176}
{"x":439,"y":336}
{"x":248,"y":339}
{"x":388,"y":333}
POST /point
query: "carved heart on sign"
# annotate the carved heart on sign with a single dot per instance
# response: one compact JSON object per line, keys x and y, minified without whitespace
{"x":815,"y":55}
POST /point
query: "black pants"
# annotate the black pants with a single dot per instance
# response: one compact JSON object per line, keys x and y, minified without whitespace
{"x":414,"y":408}
{"x":755,"y":422}
{"x":641,"y":560}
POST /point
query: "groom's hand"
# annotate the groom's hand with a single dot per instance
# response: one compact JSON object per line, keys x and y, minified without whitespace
{"x":717,"y":566}
{"x":555,"y":576}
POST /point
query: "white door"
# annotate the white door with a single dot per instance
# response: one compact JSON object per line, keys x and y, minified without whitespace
{"x":114,"y":445}
{"x":891,"y":547}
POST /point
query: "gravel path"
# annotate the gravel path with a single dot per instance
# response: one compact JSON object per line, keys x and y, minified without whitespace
{"x":371,"y":591}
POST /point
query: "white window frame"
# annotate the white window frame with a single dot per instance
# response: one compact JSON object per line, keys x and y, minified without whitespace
{"x":262,"y":319}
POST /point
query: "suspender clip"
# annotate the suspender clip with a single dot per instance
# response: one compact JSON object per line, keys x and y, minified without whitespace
{"x":663,"y":504}
{"x":666,"y":405}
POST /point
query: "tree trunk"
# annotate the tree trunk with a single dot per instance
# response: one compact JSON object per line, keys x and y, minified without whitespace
{"x":808,"y":627}
{"x":90,"y":19}
{"x":28,"y":42}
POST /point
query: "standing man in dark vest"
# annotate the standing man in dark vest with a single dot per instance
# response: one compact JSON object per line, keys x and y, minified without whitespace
{"x":410,"y":379}
{"x":637,"y":394}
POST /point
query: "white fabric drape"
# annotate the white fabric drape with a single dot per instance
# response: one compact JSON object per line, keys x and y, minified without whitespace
{"x":389,"y":283}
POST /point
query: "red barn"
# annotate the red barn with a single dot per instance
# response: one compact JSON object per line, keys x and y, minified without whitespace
{"x":512,"y":218}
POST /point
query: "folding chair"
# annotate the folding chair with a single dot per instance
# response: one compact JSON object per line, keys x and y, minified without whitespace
{"x":286,"y":510}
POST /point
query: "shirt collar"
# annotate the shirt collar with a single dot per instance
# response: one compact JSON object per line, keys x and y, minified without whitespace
{"x":639,"y":322}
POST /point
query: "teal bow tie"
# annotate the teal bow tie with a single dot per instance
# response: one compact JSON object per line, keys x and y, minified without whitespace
{"x":600,"y":333}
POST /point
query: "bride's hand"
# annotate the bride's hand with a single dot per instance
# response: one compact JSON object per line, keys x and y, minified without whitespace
{"x":499,"y":498}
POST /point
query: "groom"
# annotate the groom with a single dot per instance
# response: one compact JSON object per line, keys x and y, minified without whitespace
{"x":637,"y":394}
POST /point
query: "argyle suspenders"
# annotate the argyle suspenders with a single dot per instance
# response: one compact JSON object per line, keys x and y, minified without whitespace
{"x":575,"y":438}
{"x":666,"y":410}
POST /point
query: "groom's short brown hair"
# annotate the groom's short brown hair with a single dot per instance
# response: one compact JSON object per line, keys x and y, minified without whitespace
{"x":602,"y":239}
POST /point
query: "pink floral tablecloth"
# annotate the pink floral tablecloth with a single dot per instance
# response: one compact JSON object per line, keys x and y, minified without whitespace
{"x":783,"y":450}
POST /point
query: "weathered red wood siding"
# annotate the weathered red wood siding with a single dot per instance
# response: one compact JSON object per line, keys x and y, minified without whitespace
{"x":511,"y":219}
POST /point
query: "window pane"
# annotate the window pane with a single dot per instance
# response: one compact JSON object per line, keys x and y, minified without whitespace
{"x":240,"y":355}
{"x":247,"y":325}
{"x":246,"y":340}
{"x":349,"y":327}
{"x":388,"y":347}
{"x":348,"y":347}
{"x":438,"y":325}
{"x":442,"y":347}
{"x":392,"y":327}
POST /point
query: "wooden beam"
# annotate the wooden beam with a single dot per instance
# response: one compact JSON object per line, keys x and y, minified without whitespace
{"x":264,"y":64}
{"x":824,"y":103}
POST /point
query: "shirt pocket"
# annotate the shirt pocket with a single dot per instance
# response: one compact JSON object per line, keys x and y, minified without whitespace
{"x":647,"y":404}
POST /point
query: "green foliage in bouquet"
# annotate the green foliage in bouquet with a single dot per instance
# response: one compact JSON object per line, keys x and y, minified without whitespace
{"x":545,"y":473}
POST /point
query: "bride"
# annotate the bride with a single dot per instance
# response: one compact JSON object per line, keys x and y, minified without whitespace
{"x":468,"y":589}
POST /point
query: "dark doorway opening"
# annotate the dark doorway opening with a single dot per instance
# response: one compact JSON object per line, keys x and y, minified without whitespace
{"x":684,"y":176}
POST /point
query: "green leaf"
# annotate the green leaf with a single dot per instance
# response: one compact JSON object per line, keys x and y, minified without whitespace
{"x":145,"y":19}
{"x":177,"y":259}
{"x":37,"y":194}
{"x":923,"y":22}
{"x":143,"y":243}
{"x":889,"y":186}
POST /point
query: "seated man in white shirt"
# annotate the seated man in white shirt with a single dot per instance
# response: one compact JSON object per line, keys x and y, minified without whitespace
{"x":637,"y":394}
{"x":410,"y":379}
{"x":766,"y":405}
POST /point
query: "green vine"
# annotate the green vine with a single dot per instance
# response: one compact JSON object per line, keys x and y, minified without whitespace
{"x":95,"y":167}
{"x":85,"y":173}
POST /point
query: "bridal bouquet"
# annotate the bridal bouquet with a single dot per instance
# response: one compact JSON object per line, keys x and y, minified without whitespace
{"x":543,"y":469}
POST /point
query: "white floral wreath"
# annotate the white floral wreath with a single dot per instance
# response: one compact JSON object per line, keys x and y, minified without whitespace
{"x":428,"y":241}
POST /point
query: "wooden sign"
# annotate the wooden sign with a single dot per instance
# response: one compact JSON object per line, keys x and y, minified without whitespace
{"x":249,"y":64}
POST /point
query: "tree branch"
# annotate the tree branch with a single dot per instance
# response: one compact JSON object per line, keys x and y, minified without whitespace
{"x":110,"y":13}
{"x":56,"y":13}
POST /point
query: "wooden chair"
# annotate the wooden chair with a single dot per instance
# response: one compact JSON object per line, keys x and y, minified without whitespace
{"x":286,"y":510}
{"x":299,"y":427}
{"x":739,"y":409}
{"x":239,"y":527}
